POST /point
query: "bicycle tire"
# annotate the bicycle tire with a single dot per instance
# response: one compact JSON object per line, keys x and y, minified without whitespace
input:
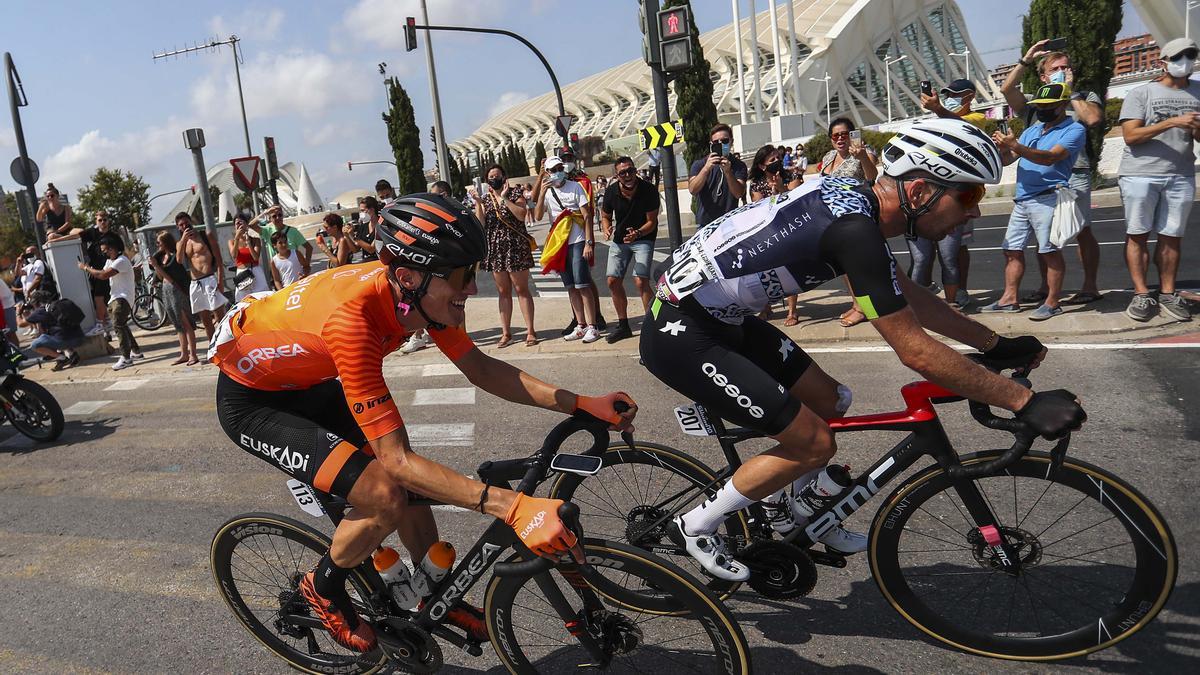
{"x":296,"y":539}
{"x":735,"y":529}
{"x":24,"y":395}
{"x":149,"y":312}
{"x":1107,"y":614}
{"x":730,"y":653}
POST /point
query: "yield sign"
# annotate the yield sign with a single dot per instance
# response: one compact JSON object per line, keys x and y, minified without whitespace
{"x":562,"y":124}
{"x":245,"y":172}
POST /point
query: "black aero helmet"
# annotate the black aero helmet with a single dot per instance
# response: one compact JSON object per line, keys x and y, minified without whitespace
{"x":427,"y":231}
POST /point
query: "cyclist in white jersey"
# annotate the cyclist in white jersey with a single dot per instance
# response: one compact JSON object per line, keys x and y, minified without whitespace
{"x":702,"y":337}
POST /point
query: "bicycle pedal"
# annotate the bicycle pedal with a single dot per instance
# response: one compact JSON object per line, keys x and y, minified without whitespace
{"x":828,"y":557}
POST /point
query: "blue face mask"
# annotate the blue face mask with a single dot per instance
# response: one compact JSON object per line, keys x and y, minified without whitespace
{"x":558,"y":177}
{"x":952,"y":103}
{"x":1059,"y":77}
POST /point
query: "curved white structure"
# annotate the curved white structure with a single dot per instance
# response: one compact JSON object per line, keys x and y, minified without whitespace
{"x":849,"y":39}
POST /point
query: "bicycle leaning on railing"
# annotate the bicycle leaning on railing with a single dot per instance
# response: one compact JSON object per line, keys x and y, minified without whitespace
{"x":622,"y":610}
{"x":1013,"y":553}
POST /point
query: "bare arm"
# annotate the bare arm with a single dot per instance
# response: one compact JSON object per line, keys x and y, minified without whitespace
{"x":941,"y":318}
{"x":275,"y":274}
{"x":1087,"y":113}
{"x":513,"y":384}
{"x":1136,"y":132}
{"x":218,"y":262}
{"x":606,"y":225}
{"x":1012,"y":94}
{"x":696,"y":183}
{"x":517,"y":208}
{"x":737,"y":186}
{"x":1044,"y":157}
{"x":431,"y":479}
{"x":870,"y":169}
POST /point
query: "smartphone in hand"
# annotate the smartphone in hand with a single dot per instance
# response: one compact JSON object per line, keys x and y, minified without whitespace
{"x":1056,"y":45}
{"x":856,"y":135}
{"x":927,"y":87}
{"x":717,"y":148}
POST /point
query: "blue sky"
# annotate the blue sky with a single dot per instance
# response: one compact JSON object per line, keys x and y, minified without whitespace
{"x":310,"y":76}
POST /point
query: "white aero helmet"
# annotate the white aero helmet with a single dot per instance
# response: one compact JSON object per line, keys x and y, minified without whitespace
{"x":951,"y":150}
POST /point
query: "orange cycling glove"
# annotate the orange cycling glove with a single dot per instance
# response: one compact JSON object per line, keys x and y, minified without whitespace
{"x":536,"y":522}
{"x":601,"y":407}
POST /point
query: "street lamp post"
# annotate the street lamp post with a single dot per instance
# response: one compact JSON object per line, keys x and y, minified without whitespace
{"x":887,"y":69}
{"x":826,"y":80}
{"x":350,"y":165}
{"x":1187,"y":18}
{"x":966,"y":54}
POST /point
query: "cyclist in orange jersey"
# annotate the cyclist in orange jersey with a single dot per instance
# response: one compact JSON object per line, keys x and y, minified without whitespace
{"x":301,"y":387}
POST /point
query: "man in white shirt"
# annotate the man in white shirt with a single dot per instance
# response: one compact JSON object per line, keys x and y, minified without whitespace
{"x":119,"y":273}
{"x":556,"y":194}
{"x":34,"y":270}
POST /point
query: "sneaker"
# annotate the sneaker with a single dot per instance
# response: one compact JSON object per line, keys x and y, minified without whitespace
{"x":1175,"y":305}
{"x":96,"y":329}
{"x":575,"y":334}
{"x":570,"y":327}
{"x":136,"y":355}
{"x":470,"y":619}
{"x":621,"y":332}
{"x":590,"y":335}
{"x":844,"y":541}
{"x":601,"y":324}
{"x":997,"y":307}
{"x":1044,"y":312}
{"x":963,"y":299}
{"x":59,"y":364}
{"x":122,"y":363}
{"x":708,"y":550}
{"x":72,"y":360}
{"x":1142,"y":307}
{"x":417,"y":342}
{"x":345,"y":629}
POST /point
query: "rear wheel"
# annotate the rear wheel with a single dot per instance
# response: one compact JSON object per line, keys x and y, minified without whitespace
{"x":257,"y":561}
{"x":1097,"y":559}
{"x":149,"y":313}
{"x":32,"y":409}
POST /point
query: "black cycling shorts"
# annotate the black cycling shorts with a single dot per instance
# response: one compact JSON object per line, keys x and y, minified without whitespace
{"x":309,"y":434}
{"x":738,"y":373}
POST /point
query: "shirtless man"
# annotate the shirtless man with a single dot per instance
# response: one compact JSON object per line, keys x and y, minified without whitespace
{"x":208,"y":272}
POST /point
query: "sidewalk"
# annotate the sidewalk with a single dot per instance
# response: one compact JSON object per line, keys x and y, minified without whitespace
{"x":1104,"y":320}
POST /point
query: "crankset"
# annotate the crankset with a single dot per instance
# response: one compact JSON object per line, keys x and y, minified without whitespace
{"x":408,"y":646}
{"x":779,"y":570}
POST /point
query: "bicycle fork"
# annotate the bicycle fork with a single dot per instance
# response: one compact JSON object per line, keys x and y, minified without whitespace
{"x":578,"y":623}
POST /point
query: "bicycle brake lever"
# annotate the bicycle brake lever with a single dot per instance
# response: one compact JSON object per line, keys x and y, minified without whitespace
{"x":627,"y":437}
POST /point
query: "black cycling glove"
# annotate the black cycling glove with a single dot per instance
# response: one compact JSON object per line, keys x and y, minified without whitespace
{"x":1015,"y":353}
{"x":1052,"y":414}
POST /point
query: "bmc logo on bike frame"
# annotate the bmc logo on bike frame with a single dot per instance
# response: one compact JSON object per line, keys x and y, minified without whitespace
{"x":851,"y":501}
{"x":732,"y":390}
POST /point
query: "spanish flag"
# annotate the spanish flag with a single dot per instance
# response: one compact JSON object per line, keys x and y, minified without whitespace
{"x":554,"y":253}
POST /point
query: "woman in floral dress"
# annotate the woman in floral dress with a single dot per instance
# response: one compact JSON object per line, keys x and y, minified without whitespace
{"x":502,"y":210}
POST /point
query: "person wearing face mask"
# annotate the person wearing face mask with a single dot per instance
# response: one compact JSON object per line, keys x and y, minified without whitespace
{"x":768,"y":175}
{"x":577,"y":174}
{"x":565,"y":199}
{"x":363,"y":238}
{"x":1086,"y":108}
{"x":509,"y":257}
{"x":954,"y":102}
{"x":1160,"y":121}
{"x":1047,"y":151}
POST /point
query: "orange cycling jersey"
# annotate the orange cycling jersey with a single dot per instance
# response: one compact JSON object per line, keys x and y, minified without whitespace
{"x":338,"y":323}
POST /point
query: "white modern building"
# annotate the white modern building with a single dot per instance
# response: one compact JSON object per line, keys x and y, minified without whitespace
{"x":297,"y":194}
{"x":761,"y":69}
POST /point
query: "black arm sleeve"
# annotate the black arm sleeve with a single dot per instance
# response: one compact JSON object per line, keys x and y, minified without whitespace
{"x":854,"y":245}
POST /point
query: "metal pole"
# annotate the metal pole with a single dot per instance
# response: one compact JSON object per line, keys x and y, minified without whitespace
{"x":237,"y":72}
{"x":778,"y":67}
{"x":440,"y":146}
{"x":14,"y":96}
{"x":887,"y":73}
{"x":737,"y":41}
{"x":210,"y":217}
{"x":663,"y":114}
{"x":791,"y":19}
{"x":754,"y":64}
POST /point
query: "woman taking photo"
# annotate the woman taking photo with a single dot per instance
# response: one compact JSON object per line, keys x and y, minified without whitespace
{"x":767,"y":175}
{"x":332,"y":242}
{"x":246,"y":252}
{"x":851,"y":159}
{"x":502,"y":210}
{"x":175,"y":297}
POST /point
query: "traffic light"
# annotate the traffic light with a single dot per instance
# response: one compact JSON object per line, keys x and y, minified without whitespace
{"x":649,"y":51}
{"x":675,"y":39}
{"x":410,"y":33}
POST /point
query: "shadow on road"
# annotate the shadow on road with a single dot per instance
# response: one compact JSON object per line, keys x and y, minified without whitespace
{"x":81,"y":431}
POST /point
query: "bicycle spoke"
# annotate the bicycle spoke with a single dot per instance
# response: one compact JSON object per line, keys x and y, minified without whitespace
{"x":1059,"y":519}
{"x":908,"y":528}
{"x":1079,"y":582}
{"x":1029,"y":596}
{"x":943,"y":523}
{"x":1076,"y":556}
{"x":1045,"y":546}
{"x":1035,"y":503}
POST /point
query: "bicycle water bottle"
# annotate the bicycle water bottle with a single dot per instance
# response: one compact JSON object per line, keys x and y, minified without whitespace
{"x":819,"y":491}
{"x":395,"y":574}
{"x":436,"y":565}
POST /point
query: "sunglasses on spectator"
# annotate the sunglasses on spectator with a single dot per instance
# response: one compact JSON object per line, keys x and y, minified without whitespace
{"x":726,"y":139}
{"x":1189,"y":54}
{"x":459,"y":277}
{"x":627,"y":172}
{"x":840,"y":134}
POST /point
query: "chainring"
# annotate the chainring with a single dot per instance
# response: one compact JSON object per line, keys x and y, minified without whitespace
{"x":408,"y":646}
{"x":779,"y":570}
{"x":639,"y":529}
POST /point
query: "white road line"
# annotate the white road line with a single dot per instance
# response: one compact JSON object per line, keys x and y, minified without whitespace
{"x":439,"y":370}
{"x":1066,"y":346}
{"x":975,"y":249}
{"x":449,"y":396}
{"x":85,"y":407}
{"x":553,"y":294}
{"x":441,"y":434}
{"x":125,"y":385}
{"x":1109,"y":220}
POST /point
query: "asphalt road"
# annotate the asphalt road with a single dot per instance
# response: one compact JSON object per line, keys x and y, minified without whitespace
{"x":987,"y":260}
{"x":104,"y":535}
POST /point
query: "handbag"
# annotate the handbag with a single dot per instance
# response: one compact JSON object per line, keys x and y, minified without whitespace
{"x":243,"y":279}
{"x":1068,"y":220}
{"x":503,"y":215}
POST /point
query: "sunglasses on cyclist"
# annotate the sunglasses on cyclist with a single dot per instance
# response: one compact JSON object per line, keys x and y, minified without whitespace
{"x":459,"y":277}
{"x":968,"y":195}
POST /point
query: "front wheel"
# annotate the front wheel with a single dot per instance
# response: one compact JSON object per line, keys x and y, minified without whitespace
{"x":149,"y":313}
{"x":530,"y":636}
{"x":1097,"y":560}
{"x":32,"y":409}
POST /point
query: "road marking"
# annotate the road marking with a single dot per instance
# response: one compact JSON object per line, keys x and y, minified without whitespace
{"x":449,"y":396}
{"x":1066,"y":346}
{"x":975,"y":249}
{"x":85,"y":407}
{"x":553,"y":294}
{"x":439,"y":370}
{"x":125,"y":385}
{"x":441,"y":434}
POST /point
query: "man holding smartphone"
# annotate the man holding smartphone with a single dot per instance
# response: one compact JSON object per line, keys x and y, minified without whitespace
{"x":719,"y":180}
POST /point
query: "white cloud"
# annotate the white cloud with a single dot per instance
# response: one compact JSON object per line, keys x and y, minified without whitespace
{"x":253,"y":23}
{"x":507,"y":100}
{"x":381,"y":22}
{"x":296,"y":82}
{"x":328,"y":133}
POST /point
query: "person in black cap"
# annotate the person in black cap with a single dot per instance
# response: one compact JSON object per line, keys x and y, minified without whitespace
{"x":954,"y":102}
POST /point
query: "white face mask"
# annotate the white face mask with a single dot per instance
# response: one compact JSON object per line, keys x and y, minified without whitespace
{"x":1181,"y":67}
{"x":363,"y":217}
{"x":569,"y":166}
{"x":1059,"y":77}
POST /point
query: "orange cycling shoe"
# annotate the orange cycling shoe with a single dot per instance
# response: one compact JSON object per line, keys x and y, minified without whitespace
{"x":536,"y":522}
{"x":347,"y":631}
{"x":470,"y":619}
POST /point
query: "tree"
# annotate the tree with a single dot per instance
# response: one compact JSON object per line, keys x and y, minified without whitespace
{"x":125,"y":196}
{"x":1090,"y":26}
{"x":13,"y":239}
{"x":694,"y":95}
{"x":433,"y":144}
{"x":405,"y":139}
{"x":539,"y":156}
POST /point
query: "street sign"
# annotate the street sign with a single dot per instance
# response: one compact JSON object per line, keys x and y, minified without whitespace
{"x":562,"y":124}
{"x":674,"y":23}
{"x":661,"y":135}
{"x":26,"y":174}
{"x":245,"y":172}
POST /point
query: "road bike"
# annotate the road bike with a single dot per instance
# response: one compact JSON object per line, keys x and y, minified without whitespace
{"x":622,"y":610}
{"x":1014,"y":553}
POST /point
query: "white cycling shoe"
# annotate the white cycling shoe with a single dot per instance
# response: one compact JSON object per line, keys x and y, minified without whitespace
{"x":844,"y":541}
{"x":709,"y":550}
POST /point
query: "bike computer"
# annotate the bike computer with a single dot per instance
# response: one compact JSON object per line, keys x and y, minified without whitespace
{"x":584,"y":465}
